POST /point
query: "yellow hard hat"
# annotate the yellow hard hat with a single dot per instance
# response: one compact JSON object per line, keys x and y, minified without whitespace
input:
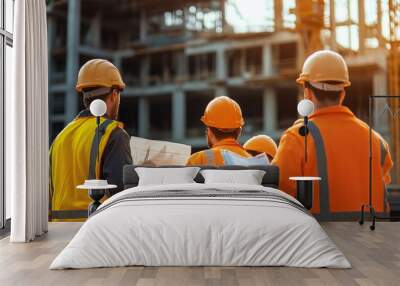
{"x":223,"y":113}
{"x":261,"y":144}
{"x":99,"y":73}
{"x":324,"y":66}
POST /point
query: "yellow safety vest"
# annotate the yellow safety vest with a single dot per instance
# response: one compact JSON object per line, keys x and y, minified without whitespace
{"x":73,"y":157}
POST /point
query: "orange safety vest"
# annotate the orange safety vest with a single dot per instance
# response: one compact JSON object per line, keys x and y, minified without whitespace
{"x":214,"y":156}
{"x":338,"y":152}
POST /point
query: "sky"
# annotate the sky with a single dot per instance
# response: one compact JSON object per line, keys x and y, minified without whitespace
{"x":255,"y":17}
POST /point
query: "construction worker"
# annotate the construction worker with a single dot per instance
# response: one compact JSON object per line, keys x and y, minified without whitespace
{"x":223,"y":120}
{"x":338,"y":145}
{"x":261,"y":144}
{"x":71,"y":160}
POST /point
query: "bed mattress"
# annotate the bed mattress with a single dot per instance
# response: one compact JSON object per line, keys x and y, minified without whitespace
{"x":201,"y":225}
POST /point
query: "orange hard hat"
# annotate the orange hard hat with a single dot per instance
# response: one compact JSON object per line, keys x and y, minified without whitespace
{"x":223,"y":113}
{"x":323,"y":66}
{"x":261,"y":144}
{"x":99,"y":73}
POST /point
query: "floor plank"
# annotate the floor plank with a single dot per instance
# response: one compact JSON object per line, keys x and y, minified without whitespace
{"x":375,"y":257}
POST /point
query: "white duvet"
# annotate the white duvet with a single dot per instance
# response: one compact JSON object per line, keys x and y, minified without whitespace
{"x":188,"y":231}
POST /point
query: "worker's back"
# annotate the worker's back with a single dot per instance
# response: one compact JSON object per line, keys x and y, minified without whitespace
{"x":70,"y":165}
{"x":214,"y":156}
{"x":338,"y":151}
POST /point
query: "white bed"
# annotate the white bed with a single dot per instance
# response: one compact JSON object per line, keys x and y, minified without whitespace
{"x":224,"y":225}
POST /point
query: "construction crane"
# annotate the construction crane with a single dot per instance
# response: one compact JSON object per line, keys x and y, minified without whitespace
{"x":309,"y":23}
{"x":394,"y":83}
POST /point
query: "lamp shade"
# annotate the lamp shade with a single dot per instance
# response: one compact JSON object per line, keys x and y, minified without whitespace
{"x":305,"y":107}
{"x":98,"y":108}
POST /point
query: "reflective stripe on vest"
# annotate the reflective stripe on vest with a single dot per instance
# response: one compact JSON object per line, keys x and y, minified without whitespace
{"x":322,"y":170}
{"x":383,"y":152}
{"x":70,"y":214}
{"x":210,"y":157}
{"x":93,"y":151}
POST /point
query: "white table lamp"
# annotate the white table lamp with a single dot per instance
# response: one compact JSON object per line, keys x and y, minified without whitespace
{"x":305,"y":187}
{"x":305,"y":108}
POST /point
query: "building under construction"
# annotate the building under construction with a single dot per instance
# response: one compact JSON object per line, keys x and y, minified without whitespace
{"x":177,"y":55}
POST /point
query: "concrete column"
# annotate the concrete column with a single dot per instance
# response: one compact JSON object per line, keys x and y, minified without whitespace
{"x":94,"y":37}
{"x":145,"y":70}
{"x":143,"y":26}
{"x":221,"y":72}
{"x":270,"y":111}
{"x":242,"y":67}
{"x":73,"y":32}
{"x":117,"y":61}
{"x":144,"y":118}
{"x":267,"y":64}
{"x":166,"y":75}
{"x":178,"y":115}
{"x":381,"y":121}
{"x":181,"y":63}
{"x":220,"y":65}
{"x":220,"y":91}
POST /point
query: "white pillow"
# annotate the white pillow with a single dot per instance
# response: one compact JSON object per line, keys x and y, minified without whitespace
{"x":247,"y":177}
{"x":166,"y":176}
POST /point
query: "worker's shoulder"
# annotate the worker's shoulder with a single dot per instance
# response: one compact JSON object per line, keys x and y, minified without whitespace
{"x":199,"y":158}
{"x":196,"y":158}
{"x":360,"y":123}
{"x":366,"y":127}
{"x":119,"y":133}
{"x":114,"y":124}
{"x":205,"y":151}
{"x":299,"y":121}
{"x":294,"y":129}
{"x":199,"y":154}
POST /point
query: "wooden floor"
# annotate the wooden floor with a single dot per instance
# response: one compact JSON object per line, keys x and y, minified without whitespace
{"x":375,"y":257}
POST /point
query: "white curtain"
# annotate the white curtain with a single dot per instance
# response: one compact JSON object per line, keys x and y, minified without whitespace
{"x":27,"y":124}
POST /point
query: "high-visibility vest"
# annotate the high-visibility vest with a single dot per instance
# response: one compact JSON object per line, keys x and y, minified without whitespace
{"x":338,"y":152}
{"x":233,"y":159}
{"x":214,"y":156}
{"x":73,"y":159}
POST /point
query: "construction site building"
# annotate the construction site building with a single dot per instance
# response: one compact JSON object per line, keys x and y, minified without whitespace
{"x":175,"y":56}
